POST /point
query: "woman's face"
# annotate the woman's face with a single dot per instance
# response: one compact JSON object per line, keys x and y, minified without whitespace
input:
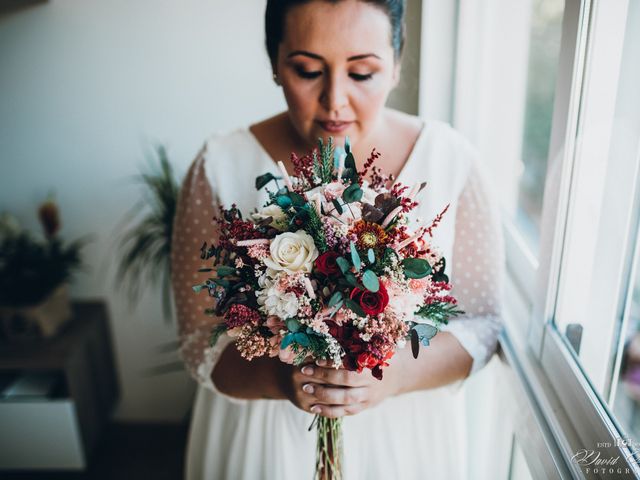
{"x":336,"y":66}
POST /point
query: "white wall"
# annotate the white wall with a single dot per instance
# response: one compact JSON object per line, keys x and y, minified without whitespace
{"x":85,"y":88}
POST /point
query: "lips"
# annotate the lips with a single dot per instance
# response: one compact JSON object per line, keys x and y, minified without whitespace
{"x":334,"y":126}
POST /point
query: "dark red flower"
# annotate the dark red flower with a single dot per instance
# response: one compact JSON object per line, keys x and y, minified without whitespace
{"x":372,"y":303}
{"x":326,"y":263}
{"x":367,"y":360}
{"x":239,"y":315}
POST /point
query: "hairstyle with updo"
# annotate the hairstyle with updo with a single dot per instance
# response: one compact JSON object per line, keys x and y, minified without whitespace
{"x":274,"y":21}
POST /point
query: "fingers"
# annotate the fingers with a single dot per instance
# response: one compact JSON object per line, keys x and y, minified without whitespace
{"x":337,"y":411}
{"x":333,"y":376}
{"x":329,"y":395}
{"x":334,"y":393}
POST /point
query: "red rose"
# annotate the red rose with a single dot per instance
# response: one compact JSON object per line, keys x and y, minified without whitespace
{"x":372,"y":303}
{"x":366,"y":360}
{"x":326,"y":263}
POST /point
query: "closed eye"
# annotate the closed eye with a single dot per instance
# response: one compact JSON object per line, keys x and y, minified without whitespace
{"x":308,"y":75}
{"x":361,"y":78}
{"x":315,"y":74}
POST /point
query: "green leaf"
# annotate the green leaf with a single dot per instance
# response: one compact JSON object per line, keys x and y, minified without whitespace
{"x":415,"y":344}
{"x":355,"y":258}
{"x":205,"y":269}
{"x":336,"y":203}
{"x":283,"y":201}
{"x":370,"y":281}
{"x":416,"y":267}
{"x":335,"y":299}
{"x":350,"y":161}
{"x":293,"y":325}
{"x":287,"y":340}
{"x":337,"y":307}
{"x":296,"y":199}
{"x":262,"y":180}
{"x":353,"y":193}
{"x":354,"y":307}
{"x":425,"y":332}
{"x":351,"y":279}
{"x":224,"y":271}
{"x":371,"y":256}
{"x":301,"y":339}
{"x":198,"y":288}
{"x":343,"y":264}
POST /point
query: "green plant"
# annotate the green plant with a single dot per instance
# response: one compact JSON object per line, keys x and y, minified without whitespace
{"x":32,"y":268}
{"x":146,"y":244}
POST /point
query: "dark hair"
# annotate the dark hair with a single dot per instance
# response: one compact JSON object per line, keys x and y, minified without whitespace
{"x":277,"y":9}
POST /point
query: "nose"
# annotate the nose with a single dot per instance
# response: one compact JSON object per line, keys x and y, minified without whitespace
{"x":334,"y":95}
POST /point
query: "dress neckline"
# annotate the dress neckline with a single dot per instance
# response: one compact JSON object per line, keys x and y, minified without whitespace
{"x":403,"y":172}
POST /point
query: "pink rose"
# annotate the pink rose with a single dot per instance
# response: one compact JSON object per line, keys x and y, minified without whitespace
{"x":287,"y":355}
{"x":333,"y":190}
{"x":274,"y":324}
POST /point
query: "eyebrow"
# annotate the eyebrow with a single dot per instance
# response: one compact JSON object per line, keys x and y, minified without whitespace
{"x":318,"y":57}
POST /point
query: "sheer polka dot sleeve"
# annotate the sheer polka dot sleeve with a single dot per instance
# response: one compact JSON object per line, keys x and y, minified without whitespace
{"x":193,"y":225}
{"x":477,"y":273}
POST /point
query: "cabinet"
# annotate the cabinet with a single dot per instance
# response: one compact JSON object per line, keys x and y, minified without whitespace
{"x":61,"y":430}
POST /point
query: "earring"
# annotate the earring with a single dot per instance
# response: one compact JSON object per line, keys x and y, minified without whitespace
{"x":275,"y":79}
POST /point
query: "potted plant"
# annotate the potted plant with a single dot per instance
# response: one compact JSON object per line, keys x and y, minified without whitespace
{"x":34,"y":276}
{"x":145,"y":244}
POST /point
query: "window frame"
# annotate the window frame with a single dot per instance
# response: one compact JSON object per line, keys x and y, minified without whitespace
{"x":584,"y":421}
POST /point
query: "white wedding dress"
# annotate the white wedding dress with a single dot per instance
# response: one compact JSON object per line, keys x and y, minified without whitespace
{"x":420,"y":435}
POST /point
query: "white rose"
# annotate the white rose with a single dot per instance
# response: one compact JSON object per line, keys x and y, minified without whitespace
{"x":275,"y":212}
{"x":283,"y":305}
{"x":292,"y":252}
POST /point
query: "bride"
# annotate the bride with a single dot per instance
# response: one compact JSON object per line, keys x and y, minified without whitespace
{"x":337,"y":62}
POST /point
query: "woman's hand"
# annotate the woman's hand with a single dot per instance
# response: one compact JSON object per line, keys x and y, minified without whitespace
{"x":334,"y":393}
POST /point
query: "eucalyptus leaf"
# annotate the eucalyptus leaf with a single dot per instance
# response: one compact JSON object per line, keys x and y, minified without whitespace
{"x":353,"y":193}
{"x":354,"y":307}
{"x":416,"y":267}
{"x":415,"y":344}
{"x":296,"y":199}
{"x":293,"y":325}
{"x":355,"y":258}
{"x":224,"y":271}
{"x":335,"y":298}
{"x":343,"y":264}
{"x":425,"y":332}
{"x":262,"y":180}
{"x":283,"y":201}
{"x":336,"y":204}
{"x":287,"y":340}
{"x":370,"y":281}
{"x":301,"y":339}
{"x":351,"y":279}
{"x":371,"y":256}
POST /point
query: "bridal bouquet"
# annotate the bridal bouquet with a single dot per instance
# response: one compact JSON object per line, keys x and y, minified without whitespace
{"x":329,"y":268}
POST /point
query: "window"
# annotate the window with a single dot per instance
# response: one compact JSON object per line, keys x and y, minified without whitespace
{"x":544,"y":51}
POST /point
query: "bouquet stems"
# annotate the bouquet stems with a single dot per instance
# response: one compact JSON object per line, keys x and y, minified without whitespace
{"x":329,"y":449}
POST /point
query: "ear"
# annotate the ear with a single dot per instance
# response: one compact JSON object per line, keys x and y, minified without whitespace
{"x":396,"y":74}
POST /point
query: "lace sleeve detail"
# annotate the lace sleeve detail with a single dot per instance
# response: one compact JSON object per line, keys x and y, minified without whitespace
{"x":197,"y":206}
{"x":478,"y":269}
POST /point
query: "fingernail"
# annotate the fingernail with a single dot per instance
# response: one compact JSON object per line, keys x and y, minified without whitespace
{"x":321,"y":363}
{"x":307,"y":370}
{"x":307,"y":387}
{"x":315,"y":409}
